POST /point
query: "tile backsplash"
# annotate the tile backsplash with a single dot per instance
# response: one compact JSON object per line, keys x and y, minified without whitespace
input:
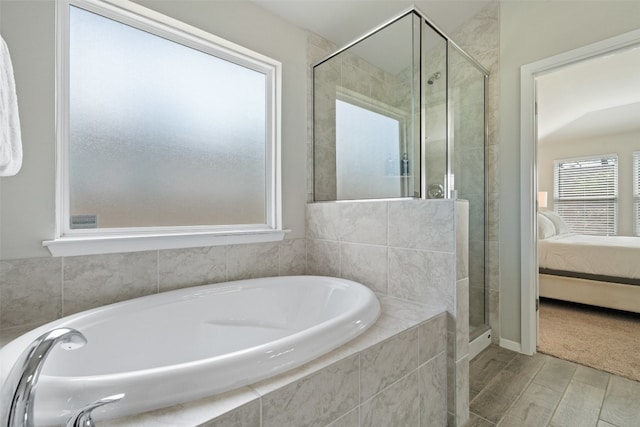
{"x":38,"y":290}
{"x":412,"y":250}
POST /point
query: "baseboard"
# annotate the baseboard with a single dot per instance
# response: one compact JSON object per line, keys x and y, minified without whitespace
{"x":479,"y":343}
{"x":510,"y":345}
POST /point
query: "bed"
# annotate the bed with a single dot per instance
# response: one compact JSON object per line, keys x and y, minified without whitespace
{"x":597,"y":270}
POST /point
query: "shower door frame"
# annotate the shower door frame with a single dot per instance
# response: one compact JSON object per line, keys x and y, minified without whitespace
{"x":448,"y":193}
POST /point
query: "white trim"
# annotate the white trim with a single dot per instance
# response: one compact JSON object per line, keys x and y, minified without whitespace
{"x":159,"y":24}
{"x":528,"y":225}
{"x":73,"y":246}
{"x":124,"y":240}
{"x":510,"y":345}
{"x":480,"y":343}
{"x":528,"y":170}
{"x":636,"y":192}
{"x":62,"y":111}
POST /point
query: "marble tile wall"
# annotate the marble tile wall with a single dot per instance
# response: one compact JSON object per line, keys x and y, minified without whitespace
{"x":408,"y":246}
{"x":401,"y":379}
{"x":467,"y":99}
{"x":389,"y":383}
{"x":414,"y":250}
{"x":38,"y":290}
{"x":317,"y":49}
{"x":480,"y":37}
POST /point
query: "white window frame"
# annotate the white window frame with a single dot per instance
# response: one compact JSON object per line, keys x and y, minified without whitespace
{"x":614,"y":199}
{"x":69,"y":242}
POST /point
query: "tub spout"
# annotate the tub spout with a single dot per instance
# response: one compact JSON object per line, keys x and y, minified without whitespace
{"x":83,"y":418}
{"x":18,"y":391}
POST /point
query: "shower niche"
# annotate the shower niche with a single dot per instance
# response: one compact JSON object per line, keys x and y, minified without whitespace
{"x":400,"y":113}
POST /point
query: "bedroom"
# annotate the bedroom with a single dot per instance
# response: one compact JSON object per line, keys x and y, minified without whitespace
{"x":588,"y":167}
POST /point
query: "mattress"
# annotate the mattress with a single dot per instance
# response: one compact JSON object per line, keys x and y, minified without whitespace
{"x":613,"y":256}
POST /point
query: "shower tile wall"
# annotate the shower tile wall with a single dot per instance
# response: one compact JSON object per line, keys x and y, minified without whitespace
{"x":377,"y":243}
{"x":467,"y":99}
{"x":38,"y":290}
{"x":317,"y":48}
{"x":480,"y":37}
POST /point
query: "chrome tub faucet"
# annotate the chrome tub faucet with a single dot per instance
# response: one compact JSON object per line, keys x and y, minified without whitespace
{"x":83,"y":417}
{"x":18,"y":392}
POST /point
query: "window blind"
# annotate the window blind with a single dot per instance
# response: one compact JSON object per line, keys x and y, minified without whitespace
{"x":586,"y":194}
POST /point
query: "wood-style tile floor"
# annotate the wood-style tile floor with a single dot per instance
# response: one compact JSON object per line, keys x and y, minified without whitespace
{"x":513,"y":390}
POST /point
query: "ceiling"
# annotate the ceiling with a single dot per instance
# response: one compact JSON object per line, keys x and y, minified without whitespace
{"x":594,"y":97}
{"x":342,"y":21}
{"x":599,"y":96}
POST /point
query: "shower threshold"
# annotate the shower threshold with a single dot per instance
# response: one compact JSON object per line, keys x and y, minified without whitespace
{"x":479,"y":341}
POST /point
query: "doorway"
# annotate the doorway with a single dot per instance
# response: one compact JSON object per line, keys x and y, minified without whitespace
{"x":529,"y":172}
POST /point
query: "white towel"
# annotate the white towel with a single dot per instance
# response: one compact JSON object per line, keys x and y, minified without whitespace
{"x":10,"y":138}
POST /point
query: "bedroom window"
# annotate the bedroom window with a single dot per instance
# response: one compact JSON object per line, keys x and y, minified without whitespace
{"x":165,"y":131}
{"x":586,"y":194}
{"x":636,"y":192}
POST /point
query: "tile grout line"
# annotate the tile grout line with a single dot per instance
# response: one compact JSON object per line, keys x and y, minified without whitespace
{"x":359,"y":389}
{"x":404,"y":377}
{"x":564,"y":393}
{"x":492,"y":379}
{"x":483,"y":418}
{"x":62,"y":287}
{"x":604,"y":398}
{"x":573,"y":380}
{"x":521,"y":392}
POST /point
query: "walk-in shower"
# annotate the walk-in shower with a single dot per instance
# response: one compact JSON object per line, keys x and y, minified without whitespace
{"x":400,"y":113}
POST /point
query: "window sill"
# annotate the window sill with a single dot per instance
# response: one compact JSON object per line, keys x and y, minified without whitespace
{"x":95,"y":245}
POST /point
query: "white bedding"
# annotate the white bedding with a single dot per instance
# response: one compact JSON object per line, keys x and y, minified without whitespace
{"x":617,"y":256}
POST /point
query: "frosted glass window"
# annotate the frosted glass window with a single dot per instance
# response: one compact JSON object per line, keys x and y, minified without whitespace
{"x":364,"y":172}
{"x":161,"y":134}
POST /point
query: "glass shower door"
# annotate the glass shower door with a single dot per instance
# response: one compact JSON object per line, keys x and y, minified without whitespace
{"x":467,"y":131}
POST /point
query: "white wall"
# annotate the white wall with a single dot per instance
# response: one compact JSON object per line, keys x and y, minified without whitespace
{"x":531,"y":31}
{"x":27,"y":201}
{"x":623,"y":145}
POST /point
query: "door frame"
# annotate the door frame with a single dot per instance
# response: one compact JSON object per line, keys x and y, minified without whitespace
{"x":529,"y":173}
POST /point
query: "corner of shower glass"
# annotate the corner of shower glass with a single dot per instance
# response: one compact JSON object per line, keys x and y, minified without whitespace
{"x":366,"y":116}
{"x":383,"y":118}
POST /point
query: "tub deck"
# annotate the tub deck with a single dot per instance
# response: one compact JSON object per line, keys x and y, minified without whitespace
{"x":400,"y":324}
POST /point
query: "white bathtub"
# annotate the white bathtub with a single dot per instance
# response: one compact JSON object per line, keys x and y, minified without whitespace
{"x":182,"y":345}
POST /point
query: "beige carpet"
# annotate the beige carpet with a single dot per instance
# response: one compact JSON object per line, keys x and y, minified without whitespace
{"x":608,"y":340}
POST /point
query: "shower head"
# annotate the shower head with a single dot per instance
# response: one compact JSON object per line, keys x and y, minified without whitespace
{"x":435,"y":76}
